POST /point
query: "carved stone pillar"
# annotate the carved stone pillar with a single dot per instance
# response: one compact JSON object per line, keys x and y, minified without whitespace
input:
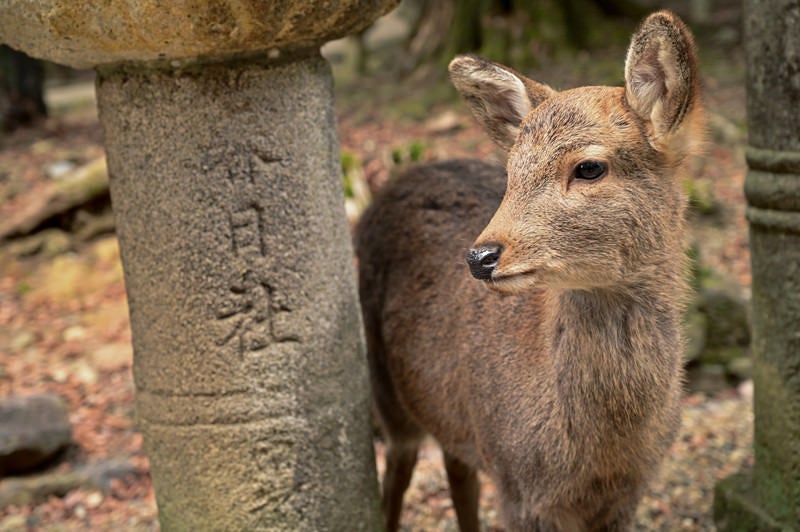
{"x":768,"y":498}
{"x":220,"y":134}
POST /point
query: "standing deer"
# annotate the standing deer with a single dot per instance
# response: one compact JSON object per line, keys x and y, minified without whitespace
{"x":563,"y":380}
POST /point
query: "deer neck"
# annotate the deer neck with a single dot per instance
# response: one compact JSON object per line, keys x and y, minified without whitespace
{"x":617,"y":352}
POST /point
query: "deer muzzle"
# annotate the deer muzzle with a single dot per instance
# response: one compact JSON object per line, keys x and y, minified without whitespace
{"x":483,"y":260}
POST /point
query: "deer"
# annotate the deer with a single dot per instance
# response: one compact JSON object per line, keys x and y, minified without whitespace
{"x":551,"y":358}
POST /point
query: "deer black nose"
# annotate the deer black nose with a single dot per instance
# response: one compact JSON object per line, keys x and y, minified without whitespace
{"x":483,"y":260}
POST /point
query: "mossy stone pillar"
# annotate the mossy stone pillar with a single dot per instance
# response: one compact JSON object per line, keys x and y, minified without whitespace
{"x":768,"y":497}
{"x":248,"y":355}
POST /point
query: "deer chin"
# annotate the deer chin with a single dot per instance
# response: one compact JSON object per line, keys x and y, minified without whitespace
{"x":514,"y":283}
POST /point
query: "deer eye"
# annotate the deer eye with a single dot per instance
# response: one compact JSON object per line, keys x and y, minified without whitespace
{"x":590,"y":170}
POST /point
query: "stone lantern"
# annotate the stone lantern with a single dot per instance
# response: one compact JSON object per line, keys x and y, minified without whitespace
{"x":767,"y":497}
{"x":225,"y":181}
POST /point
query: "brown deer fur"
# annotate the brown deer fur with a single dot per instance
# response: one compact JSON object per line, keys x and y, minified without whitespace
{"x":562,"y":381}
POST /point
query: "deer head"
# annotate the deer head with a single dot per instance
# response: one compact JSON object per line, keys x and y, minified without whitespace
{"x":591,"y":200}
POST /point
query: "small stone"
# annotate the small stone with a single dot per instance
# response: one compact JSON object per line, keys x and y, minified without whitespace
{"x":746,"y":389}
{"x":94,"y":499}
{"x":84,"y":373}
{"x":32,"y":430}
{"x":59,"y":375}
{"x":76,"y":332}
{"x":59,"y":169}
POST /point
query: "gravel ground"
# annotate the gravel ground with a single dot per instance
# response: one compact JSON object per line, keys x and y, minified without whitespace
{"x":715,"y":441}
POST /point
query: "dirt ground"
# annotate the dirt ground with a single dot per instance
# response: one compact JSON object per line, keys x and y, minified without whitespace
{"x":64,"y":322}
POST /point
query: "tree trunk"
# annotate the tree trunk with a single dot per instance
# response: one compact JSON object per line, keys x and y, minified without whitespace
{"x":22,"y":89}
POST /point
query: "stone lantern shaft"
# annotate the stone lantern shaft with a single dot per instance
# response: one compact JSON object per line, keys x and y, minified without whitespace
{"x":768,"y":498}
{"x":220,"y":133}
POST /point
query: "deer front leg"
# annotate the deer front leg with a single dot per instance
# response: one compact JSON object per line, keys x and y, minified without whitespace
{"x":465,"y":491}
{"x":400,"y":461}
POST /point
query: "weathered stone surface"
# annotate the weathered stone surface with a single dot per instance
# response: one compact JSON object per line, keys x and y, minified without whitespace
{"x":32,"y":430}
{"x":773,"y":74}
{"x":87,"y":33}
{"x":248,"y":355}
{"x":773,"y":109}
{"x":735,"y":508}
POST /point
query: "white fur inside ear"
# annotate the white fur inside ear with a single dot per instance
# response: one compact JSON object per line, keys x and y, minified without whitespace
{"x":497,"y":97}
{"x":645,"y":88}
{"x":513,"y":87}
{"x":503,"y":83}
{"x":645,"y":79}
{"x":669,"y":65}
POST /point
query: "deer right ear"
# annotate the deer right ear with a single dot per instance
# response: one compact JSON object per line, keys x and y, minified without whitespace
{"x":661,"y":75}
{"x":498,"y":97}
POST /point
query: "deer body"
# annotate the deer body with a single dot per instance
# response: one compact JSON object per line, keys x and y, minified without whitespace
{"x":563,"y":381}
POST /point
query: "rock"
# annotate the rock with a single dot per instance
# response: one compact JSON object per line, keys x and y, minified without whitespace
{"x":59,"y":169}
{"x":745,"y":389}
{"x":33,"y":429}
{"x":728,"y":324}
{"x":94,"y":499}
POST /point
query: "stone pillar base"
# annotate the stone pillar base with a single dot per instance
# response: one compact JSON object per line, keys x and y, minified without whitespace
{"x":736,"y":508}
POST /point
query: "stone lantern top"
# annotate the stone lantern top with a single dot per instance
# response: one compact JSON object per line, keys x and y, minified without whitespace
{"x":85,"y":34}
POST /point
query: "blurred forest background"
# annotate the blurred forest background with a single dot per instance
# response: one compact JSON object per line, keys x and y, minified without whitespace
{"x":63,"y":313}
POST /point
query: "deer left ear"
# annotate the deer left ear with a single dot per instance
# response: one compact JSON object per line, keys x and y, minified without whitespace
{"x":498,"y":96}
{"x":661,"y":74}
